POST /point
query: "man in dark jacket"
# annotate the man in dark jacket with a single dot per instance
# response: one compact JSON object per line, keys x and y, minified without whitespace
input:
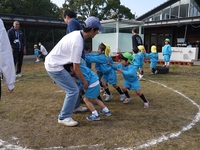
{"x":17,"y":41}
{"x":136,"y":39}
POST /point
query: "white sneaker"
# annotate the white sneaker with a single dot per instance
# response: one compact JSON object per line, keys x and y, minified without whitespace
{"x":37,"y":60}
{"x":80,"y":109}
{"x":19,"y":75}
{"x":108,"y":97}
{"x":68,"y":122}
{"x":122,"y":97}
{"x":127,"y":100}
{"x":140,"y":76}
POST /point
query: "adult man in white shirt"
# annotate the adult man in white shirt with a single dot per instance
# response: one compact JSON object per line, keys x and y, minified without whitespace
{"x":69,"y":50}
{"x":7,"y":68}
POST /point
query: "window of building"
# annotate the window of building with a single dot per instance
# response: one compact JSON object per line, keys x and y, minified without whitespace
{"x":174,"y":10}
{"x":184,"y":10}
{"x":195,"y":8}
{"x":160,"y":42}
{"x":166,"y":13}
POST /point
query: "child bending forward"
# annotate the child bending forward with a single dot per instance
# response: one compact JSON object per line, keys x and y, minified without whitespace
{"x":131,"y":81}
{"x":109,"y":74}
{"x":92,"y":92}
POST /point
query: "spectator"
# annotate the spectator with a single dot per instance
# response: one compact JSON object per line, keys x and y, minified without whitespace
{"x":17,"y":42}
{"x":70,"y":19}
{"x":136,"y":39}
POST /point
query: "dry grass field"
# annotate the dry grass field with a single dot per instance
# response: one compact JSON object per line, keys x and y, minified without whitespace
{"x":28,"y":116}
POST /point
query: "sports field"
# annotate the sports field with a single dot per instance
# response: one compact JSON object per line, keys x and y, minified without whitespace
{"x":28,"y":116}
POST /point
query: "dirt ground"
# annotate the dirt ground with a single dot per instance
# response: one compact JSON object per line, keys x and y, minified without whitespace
{"x":28,"y":116}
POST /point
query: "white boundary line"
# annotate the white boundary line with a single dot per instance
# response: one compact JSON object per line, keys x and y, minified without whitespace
{"x":145,"y":145}
{"x":172,"y":135}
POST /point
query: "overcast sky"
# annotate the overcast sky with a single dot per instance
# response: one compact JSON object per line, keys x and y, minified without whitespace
{"x":138,"y":7}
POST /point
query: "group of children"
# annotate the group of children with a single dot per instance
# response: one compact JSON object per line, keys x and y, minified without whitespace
{"x":130,"y":67}
{"x":139,"y":55}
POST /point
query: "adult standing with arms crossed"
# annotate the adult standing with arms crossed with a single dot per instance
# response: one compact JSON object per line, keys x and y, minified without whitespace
{"x":17,"y":42}
{"x":7,"y":69}
{"x":69,"y":50}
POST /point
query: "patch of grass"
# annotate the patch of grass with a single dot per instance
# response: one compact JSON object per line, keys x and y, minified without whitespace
{"x":30,"y":113}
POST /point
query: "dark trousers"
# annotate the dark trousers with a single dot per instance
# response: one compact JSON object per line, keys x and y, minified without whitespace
{"x":18,"y":60}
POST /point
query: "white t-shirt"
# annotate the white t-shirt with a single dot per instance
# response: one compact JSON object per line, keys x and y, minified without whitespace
{"x":43,"y":50}
{"x":67,"y":50}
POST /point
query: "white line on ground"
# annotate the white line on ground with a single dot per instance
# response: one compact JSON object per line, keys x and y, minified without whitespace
{"x":145,"y":145}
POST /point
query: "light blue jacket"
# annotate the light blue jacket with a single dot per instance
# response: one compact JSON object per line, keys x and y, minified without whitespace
{"x":101,"y":61}
{"x":89,"y":76}
{"x":167,"y":50}
{"x":129,"y":72}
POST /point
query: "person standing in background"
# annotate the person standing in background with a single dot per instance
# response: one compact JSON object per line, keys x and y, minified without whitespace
{"x":70,"y":19}
{"x":17,"y":42}
{"x":7,"y":68}
{"x":136,"y":39}
{"x":73,"y":24}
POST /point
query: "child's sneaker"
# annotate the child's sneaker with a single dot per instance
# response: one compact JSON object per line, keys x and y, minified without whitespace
{"x":146,"y":104}
{"x":93,"y":117}
{"x":80,"y":109}
{"x":126,"y":100}
{"x":104,"y":94}
{"x":102,"y":89}
{"x":105,"y":113}
{"x":156,"y":72}
{"x":140,"y":76}
{"x":108,"y":97}
{"x":122,"y":96}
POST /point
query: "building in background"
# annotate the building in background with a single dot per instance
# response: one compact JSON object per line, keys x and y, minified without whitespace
{"x":178,"y":20}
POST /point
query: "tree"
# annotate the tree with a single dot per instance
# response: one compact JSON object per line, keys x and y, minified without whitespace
{"x":44,"y":8}
{"x":103,"y":9}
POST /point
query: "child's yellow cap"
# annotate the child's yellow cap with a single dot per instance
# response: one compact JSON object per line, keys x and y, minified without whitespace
{"x":35,"y":46}
{"x":141,"y":48}
{"x":107,"y":50}
{"x":153,"y":49}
